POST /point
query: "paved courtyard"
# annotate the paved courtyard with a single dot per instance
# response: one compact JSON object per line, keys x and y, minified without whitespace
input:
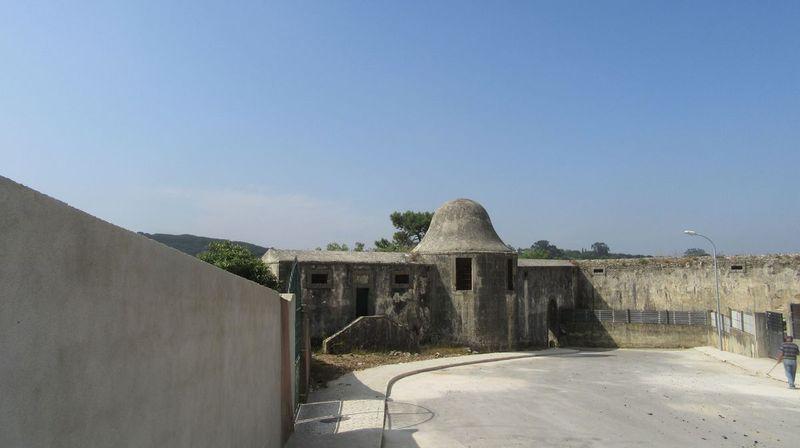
{"x":619,"y":398}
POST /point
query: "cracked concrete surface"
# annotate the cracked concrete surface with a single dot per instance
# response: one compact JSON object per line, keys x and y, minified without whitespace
{"x":658,"y":398}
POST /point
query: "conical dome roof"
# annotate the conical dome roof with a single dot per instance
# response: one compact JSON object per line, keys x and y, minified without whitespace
{"x":461,"y":225}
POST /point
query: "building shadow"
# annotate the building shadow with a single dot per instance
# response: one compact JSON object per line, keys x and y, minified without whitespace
{"x":401,"y":415}
{"x":322,"y":372}
{"x":579,"y":327}
{"x":326,"y":420}
{"x":442,"y":311}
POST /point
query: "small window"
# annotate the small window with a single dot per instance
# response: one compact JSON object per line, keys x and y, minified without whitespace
{"x":510,"y":274}
{"x":463,"y":274}
{"x":737,"y":267}
{"x":598,"y":270}
{"x":319,"y":279}
{"x":402,"y":279}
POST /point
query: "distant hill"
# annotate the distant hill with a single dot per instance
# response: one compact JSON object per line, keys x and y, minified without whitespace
{"x":193,"y":244}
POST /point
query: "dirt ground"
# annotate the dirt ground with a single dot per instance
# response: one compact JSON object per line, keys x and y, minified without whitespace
{"x":325,"y":368}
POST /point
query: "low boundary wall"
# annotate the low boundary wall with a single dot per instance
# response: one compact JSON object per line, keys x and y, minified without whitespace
{"x":111,"y":339}
{"x":625,"y":335}
{"x":758,"y":335}
{"x":633,"y":328}
{"x":371,"y":333}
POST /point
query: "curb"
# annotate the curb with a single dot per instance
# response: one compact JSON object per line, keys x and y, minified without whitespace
{"x":393,"y":380}
{"x":467,"y":363}
{"x":749,"y":370}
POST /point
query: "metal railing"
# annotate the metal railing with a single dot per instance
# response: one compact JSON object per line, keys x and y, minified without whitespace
{"x":636,"y":316}
{"x":738,"y":320}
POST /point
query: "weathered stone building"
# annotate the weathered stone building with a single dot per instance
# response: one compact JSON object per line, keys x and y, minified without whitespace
{"x":458,"y":284}
{"x":462,"y":284}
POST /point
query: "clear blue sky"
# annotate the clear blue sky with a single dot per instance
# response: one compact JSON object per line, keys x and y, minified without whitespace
{"x":295,"y":124}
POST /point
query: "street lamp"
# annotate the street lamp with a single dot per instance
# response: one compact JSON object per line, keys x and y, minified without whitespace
{"x":720,"y":321}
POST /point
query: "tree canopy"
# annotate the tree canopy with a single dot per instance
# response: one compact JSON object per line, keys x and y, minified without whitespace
{"x":411,"y":228}
{"x":239,"y":260}
{"x":194,"y":245}
{"x":695,"y":252}
{"x":543,"y":249}
{"x":600,"y":248}
{"x":343,"y":247}
{"x":337,"y":247}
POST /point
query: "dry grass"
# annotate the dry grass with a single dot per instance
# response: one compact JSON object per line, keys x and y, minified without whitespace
{"x":325,"y":368}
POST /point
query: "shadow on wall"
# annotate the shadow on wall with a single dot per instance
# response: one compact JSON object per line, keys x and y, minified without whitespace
{"x":563,"y":330}
{"x":442,"y":312}
{"x":555,"y":333}
{"x":585,"y":334}
{"x":599,"y":323}
{"x":542,"y":293}
{"x":589,"y":297}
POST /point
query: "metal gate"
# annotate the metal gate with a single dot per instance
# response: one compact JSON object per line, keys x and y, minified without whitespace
{"x":795,"y":316}
{"x":775,"y":331}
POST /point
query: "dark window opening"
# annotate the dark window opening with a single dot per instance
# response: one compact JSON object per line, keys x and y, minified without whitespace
{"x":402,"y":279}
{"x":510,"y":274}
{"x":598,"y":270}
{"x":362,"y":301}
{"x":463,"y":274}
{"x":737,"y":267}
{"x":319,"y":279}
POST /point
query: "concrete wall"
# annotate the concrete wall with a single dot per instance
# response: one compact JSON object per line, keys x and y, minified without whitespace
{"x":607,"y":334}
{"x":483,"y":317}
{"x":374,"y":333}
{"x":737,"y":341}
{"x":289,"y":369}
{"x":765,"y":343}
{"x":537,"y":289}
{"x":331,"y":307}
{"x":491,"y":316}
{"x":765,"y":283}
{"x":429,"y":305}
{"x":111,"y":339}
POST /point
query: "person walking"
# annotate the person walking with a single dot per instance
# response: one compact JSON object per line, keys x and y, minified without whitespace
{"x":788,"y":355}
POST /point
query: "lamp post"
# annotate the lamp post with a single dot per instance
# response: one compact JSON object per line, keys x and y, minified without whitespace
{"x":720,"y":321}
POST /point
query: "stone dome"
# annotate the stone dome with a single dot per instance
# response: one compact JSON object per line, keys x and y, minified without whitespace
{"x":461,"y":226}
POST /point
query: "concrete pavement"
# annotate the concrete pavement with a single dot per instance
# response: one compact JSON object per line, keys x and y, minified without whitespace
{"x":755,"y":366}
{"x":658,"y":398}
{"x":350,"y":411}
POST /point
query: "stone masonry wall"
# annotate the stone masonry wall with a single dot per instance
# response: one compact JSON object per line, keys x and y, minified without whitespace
{"x":332,"y":306}
{"x":482,"y":317}
{"x":764,"y":283}
{"x":374,"y":333}
{"x":537,"y":289}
